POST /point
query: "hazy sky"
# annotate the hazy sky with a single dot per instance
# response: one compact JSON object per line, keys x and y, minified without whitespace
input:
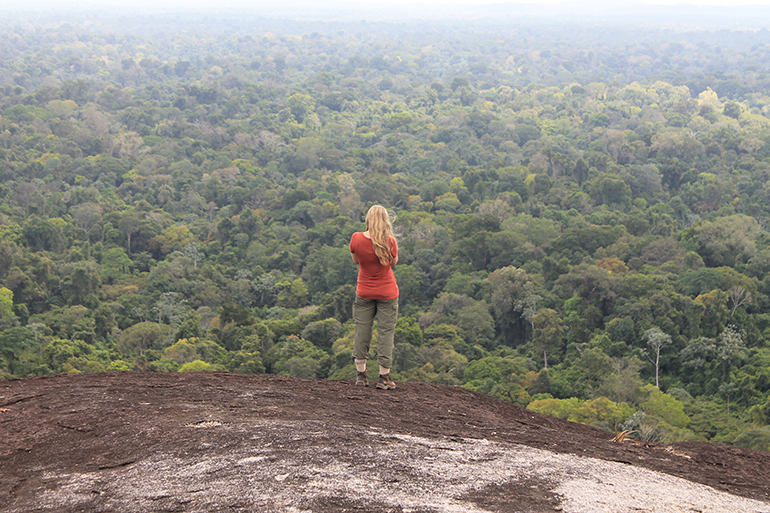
{"x":367,"y":4}
{"x":573,"y":2}
{"x":419,"y":9}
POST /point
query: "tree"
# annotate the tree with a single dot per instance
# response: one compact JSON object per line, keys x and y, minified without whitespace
{"x":715,"y":314}
{"x":595,"y":365}
{"x":408,"y":331}
{"x":476,"y":323}
{"x":190,"y":327}
{"x":732,"y":110}
{"x":300,"y":105}
{"x":529,"y":309}
{"x":81,"y":283}
{"x":548,"y":331}
{"x":656,"y":341}
{"x":412,"y":284}
{"x":7,"y":317}
{"x":143,"y":336}
{"x":757,"y":439}
{"x":698,"y":352}
{"x":726,"y":240}
{"x":173,"y":238}
{"x":266,"y":289}
{"x":593,"y":284}
{"x":323,"y":333}
{"x":197,"y":366}
{"x":169,"y":308}
{"x":115,"y":264}
{"x":609,"y":188}
{"x":731,"y":347}
{"x":292,"y":294}
{"x":508,"y":286}
{"x":44,"y":234}
{"x":580,"y":171}
{"x":676,"y":151}
{"x":182,"y":351}
{"x":470,"y":316}
{"x":194,"y":251}
{"x":104,"y":320}
{"x":574,"y":243}
{"x":727,"y":390}
{"x":739,"y":296}
{"x":13,"y":342}
{"x":296,"y":357}
{"x":244,"y":361}
{"x":664,"y":406}
{"x":58,"y":353}
{"x":623,"y":383}
{"x":327,"y":269}
{"x":561,"y":408}
{"x":498,"y":376}
{"x":86,"y":215}
{"x":129,"y":224}
{"x":602,"y":410}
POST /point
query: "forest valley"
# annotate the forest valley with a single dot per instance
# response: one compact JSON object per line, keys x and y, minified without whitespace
{"x":582,"y":212}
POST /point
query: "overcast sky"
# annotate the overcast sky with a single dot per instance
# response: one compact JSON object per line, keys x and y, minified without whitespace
{"x":366,"y":4}
{"x":698,"y":11}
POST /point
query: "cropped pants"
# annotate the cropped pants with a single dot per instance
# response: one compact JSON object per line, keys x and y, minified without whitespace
{"x":365,"y":312}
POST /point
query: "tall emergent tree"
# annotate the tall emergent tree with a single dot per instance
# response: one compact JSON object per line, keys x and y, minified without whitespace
{"x":656,"y":340}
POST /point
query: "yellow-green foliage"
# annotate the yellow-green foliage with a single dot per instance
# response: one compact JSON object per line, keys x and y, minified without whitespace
{"x":345,"y":342}
{"x":664,"y":406}
{"x":561,"y":408}
{"x":6,"y":303}
{"x":182,"y":351}
{"x":118,"y":365}
{"x":80,"y":365}
{"x":600,"y":409}
{"x":196,"y":366}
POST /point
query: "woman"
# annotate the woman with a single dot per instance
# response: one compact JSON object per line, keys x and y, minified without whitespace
{"x":375,"y":252}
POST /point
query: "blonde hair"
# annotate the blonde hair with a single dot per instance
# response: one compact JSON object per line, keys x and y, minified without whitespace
{"x":380,"y":231}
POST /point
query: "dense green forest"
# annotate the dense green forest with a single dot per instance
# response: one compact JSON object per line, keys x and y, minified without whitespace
{"x":582,"y":211}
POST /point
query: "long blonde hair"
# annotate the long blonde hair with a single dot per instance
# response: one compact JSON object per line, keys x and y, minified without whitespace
{"x":380,"y":231}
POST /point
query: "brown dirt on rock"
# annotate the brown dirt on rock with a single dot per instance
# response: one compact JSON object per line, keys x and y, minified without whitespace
{"x":110,"y":422}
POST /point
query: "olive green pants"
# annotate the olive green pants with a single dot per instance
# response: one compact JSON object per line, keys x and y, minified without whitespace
{"x":365,"y":312}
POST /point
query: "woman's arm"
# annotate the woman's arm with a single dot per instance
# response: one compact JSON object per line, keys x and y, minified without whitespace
{"x":353,"y":253}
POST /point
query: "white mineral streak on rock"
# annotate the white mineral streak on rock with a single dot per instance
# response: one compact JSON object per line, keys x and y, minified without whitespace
{"x":298,"y":468}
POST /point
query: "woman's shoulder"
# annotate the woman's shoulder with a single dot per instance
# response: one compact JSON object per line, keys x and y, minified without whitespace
{"x":357,"y":238}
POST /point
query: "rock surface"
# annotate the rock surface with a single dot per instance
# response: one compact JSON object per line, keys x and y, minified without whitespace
{"x":137,"y":442}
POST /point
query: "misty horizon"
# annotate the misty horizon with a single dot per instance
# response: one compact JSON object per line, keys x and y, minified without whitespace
{"x":704,"y":14}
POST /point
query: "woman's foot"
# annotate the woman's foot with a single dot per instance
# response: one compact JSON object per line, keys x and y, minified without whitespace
{"x":362,"y":380}
{"x":385,"y":383}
